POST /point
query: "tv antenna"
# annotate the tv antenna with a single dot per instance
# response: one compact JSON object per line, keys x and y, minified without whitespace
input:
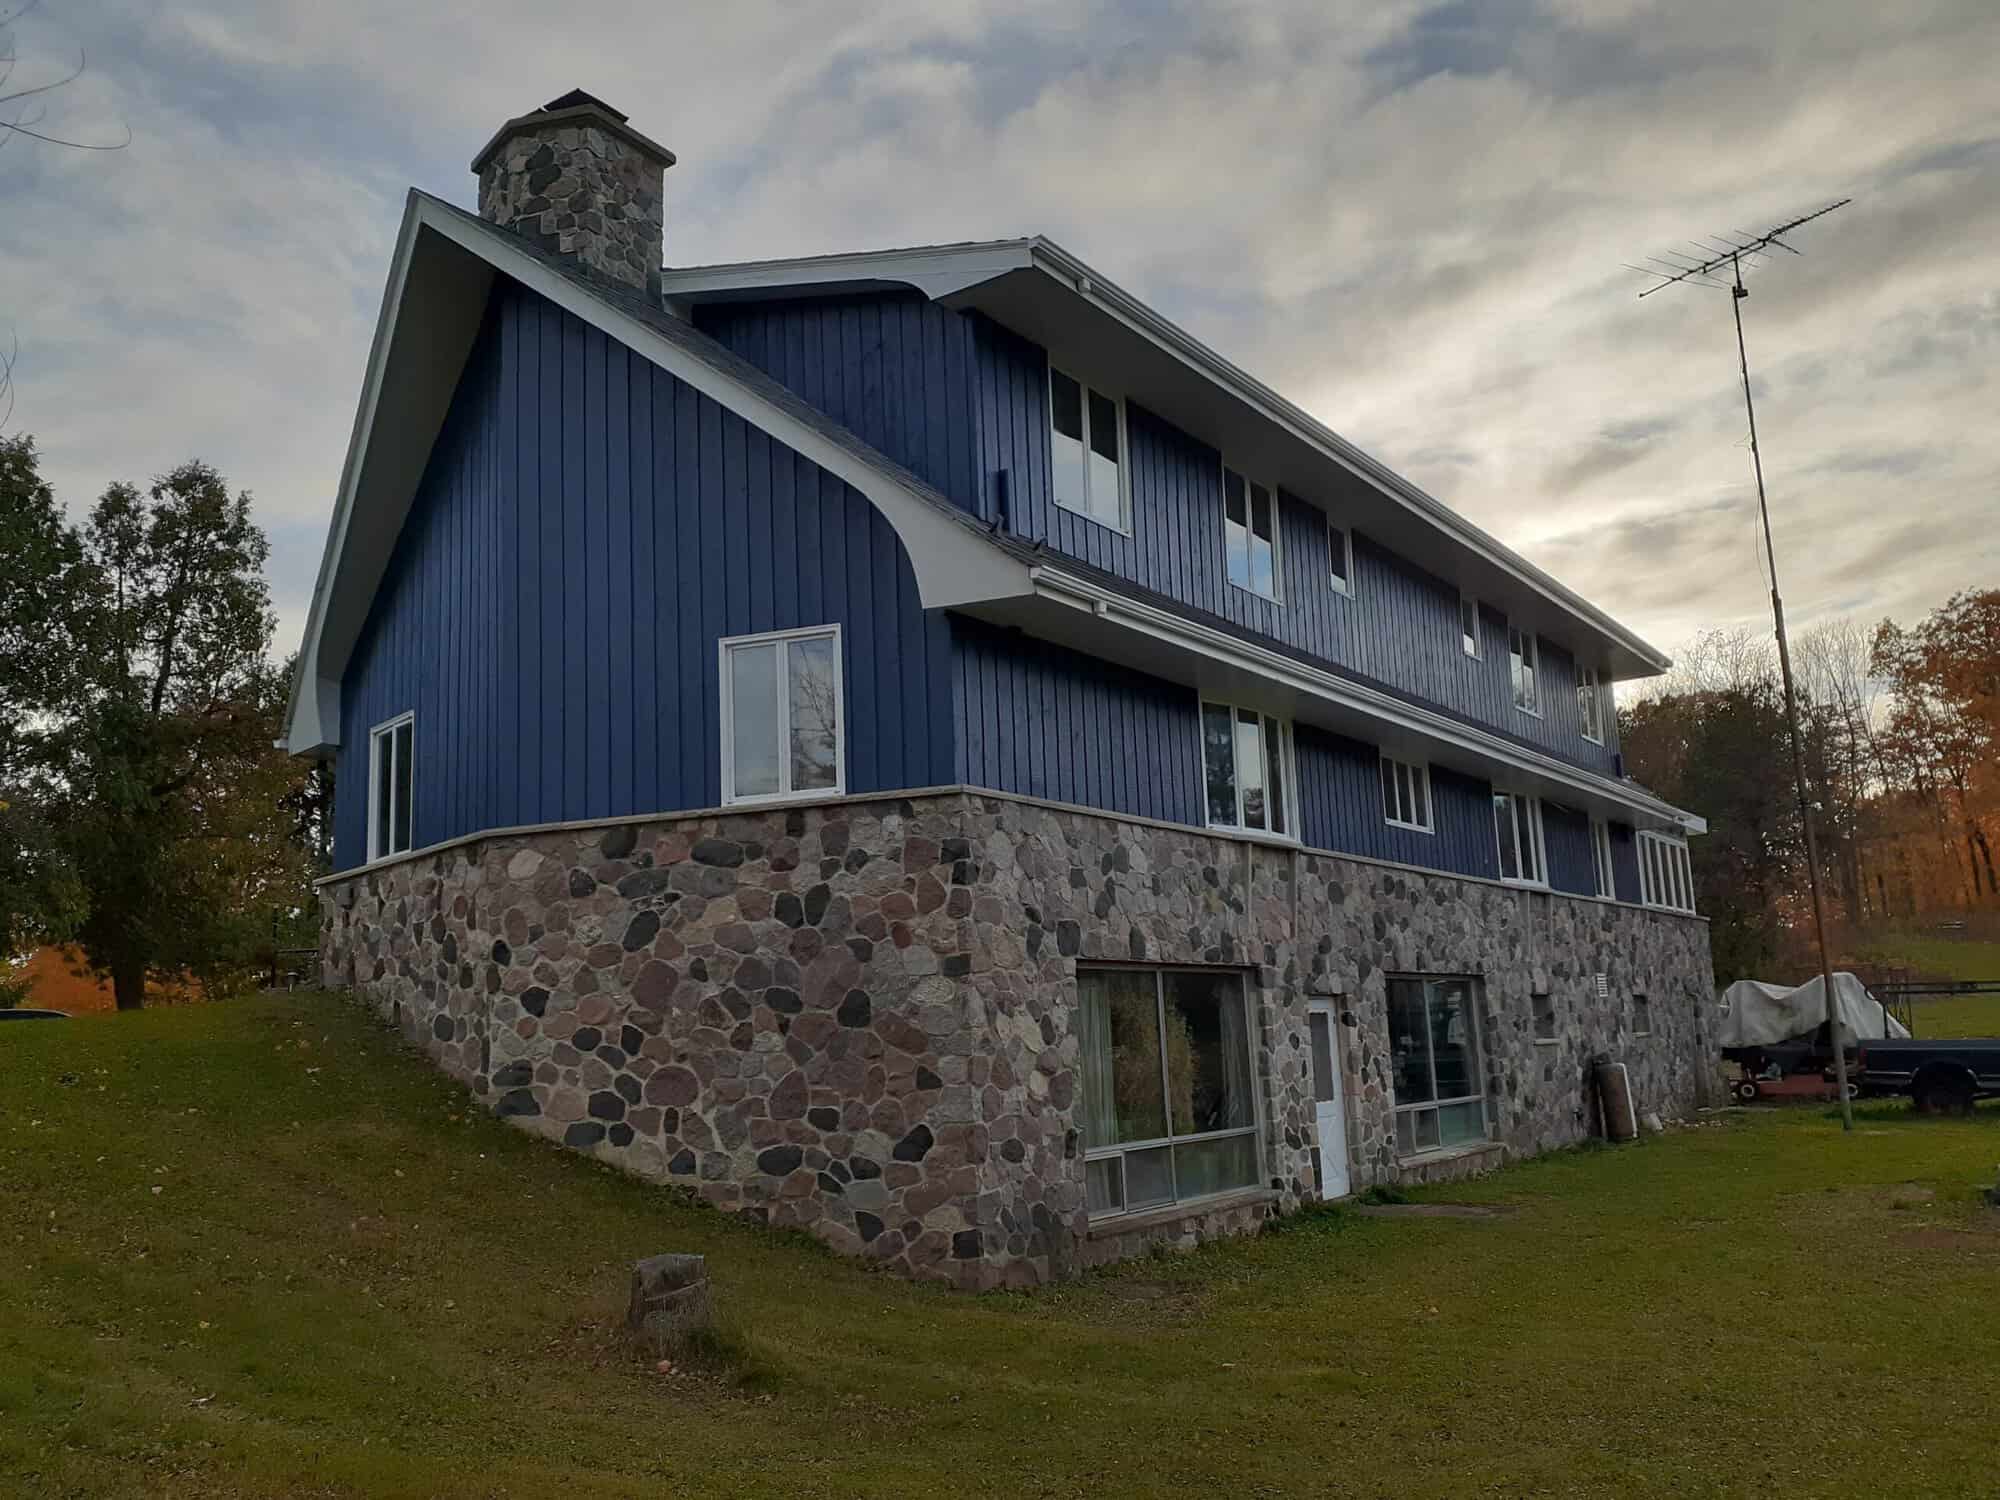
{"x":1721,"y":254}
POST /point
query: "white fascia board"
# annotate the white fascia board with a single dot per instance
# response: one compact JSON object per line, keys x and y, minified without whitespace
{"x":312,"y":724}
{"x":1058,"y":263}
{"x":1233,"y":653}
{"x":938,"y":271}
{"x":954,"y":564}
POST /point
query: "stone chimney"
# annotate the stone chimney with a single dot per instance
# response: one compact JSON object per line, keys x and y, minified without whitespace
{"x":578,"y":181}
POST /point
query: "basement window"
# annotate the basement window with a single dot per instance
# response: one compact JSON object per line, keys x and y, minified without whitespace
{"x":1434,"y":1065}
{"x":1545,"y":1017}
{"x":391,"y":786}
{"x":1642,"y":1016}
{"x":1086,"y":448}
{"x":781,"y":715}
{"x":1168,"y":1110}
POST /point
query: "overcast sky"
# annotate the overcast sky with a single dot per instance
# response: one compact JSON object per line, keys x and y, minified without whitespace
{"x":1408,"y":217}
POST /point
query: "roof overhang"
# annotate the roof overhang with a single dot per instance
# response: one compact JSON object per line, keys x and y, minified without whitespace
{"x":439,"y":280}
{"x":1101,"y":622}
{"x":1040,"y":291}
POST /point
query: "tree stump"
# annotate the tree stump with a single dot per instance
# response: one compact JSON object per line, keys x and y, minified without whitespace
{"x":670,"y":1301}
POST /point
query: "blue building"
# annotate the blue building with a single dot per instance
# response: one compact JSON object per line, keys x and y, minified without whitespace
{"x":645,"y":584}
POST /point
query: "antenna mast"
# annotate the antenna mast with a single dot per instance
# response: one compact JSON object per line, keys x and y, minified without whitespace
{"x":1729,"y":253}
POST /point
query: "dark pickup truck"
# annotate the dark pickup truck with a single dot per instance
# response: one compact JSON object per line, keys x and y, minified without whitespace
{"x":1943,"y":1076}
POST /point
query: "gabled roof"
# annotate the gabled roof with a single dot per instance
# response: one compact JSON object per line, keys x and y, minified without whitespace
{"x":443,"y":268}
{"x":1089,"y":323}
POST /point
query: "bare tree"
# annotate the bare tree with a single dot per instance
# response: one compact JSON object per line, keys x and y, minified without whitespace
{"x":24,"y":109}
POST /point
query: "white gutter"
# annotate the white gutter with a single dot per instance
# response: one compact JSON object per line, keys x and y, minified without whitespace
{"x":1245,"y":656}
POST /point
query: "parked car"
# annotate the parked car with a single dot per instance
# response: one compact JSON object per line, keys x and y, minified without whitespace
{"x":34,"y":1015}
{"x":1941,"y":1075}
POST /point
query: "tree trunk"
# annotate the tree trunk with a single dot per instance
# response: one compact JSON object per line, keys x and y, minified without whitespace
{"x":128,"y":985}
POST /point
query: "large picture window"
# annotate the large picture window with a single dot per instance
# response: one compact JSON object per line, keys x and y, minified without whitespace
{"x":1168,"y":1113}
{"x":391,"y":786}
{"x":1666,"y":876}
{"x":1434,"y":1064}
{"x":781,"y":715}
{"x":1517,"y":829}
{"x":1250,"y":534}
{"x":1246,"y":764}
{"x":1087,"y":445}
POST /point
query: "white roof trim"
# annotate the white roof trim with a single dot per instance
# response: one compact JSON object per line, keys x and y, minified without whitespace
{"x":1545,"y":771}
{"x":942,"y":271}
{"x":953,"y":564}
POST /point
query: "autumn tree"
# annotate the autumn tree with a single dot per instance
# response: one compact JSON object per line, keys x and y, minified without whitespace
{"x":171,"y":792}
{"x":44,"y":586}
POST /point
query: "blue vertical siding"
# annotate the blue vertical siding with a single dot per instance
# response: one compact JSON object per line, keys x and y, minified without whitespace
{"x":1625,"y":862}
{"x":1340,"y":808}
{"x":891,"y":368}
{"x":586,"y":530}
{"x":963,"y":402}
{"x":1566,"y":840}
{"x":1044,"y":721}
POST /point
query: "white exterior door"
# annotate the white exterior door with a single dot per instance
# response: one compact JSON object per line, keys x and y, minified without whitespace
{"x":1329,"y":1107}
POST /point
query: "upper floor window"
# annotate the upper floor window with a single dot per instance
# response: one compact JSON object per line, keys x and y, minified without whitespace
{"x":1340,"y":557}
{"x":1246,"y":766}
{"x":781,"y":715}
{"x":1406,"y":795}
{"x":1524,"y":660}
{"x":1517,"y":829}
{"x":391,"y":786}
{"x":1250,"y":534}
{"x":1600,"y":859}
{"x":1666,"y":875}
{"x":1590,"y":703}
{"x":1468,"y":625}
{"x":1087,"y":446}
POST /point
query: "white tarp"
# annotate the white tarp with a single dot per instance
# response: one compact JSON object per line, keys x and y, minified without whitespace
{"x":1755,"y":1014}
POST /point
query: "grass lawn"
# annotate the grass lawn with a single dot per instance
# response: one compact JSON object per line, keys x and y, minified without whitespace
{"x":1948,"y":958}
{"x":258,"y":1249}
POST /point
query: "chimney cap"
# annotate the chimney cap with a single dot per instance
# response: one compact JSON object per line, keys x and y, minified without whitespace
{"x":578,"y":108}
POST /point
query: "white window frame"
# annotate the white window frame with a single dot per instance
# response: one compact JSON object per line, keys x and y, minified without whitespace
{"x":1411,"y":1109}
{"x":1590,"y":703}
{"x":1666,"y":873}
{"x":380,"y":734}
{"x":1123,"y":525}
{"x":727,"y":694}
{"x":1287,"y":767}
{"x":1533,"y":824}
{"x":1468,"y":640}
{"x":1277,"y":594}
{"x":1531,"y":654}
{"x":1602,"y":870}
{"x":1116,"y":1151}
{"x":1393,"y":774}
{"x":1343,"y":583}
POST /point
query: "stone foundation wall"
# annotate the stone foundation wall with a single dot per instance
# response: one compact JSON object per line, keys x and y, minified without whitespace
{"x":856,"y":1017}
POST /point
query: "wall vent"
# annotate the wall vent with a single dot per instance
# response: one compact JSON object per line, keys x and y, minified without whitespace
{"x":1603,"y":984}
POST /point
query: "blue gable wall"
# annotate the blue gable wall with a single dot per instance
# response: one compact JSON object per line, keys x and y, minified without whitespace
{"x":587,"y":529}
{"x":964,"y":403}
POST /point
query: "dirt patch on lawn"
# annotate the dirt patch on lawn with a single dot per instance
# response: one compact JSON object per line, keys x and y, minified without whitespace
{"x":1984,"y":1240}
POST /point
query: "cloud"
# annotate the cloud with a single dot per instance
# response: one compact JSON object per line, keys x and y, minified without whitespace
{"x":1410,"y":217}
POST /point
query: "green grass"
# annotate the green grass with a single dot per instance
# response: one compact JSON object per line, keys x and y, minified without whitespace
{"x":258,"y":1249}
{"x":1938,"y":956}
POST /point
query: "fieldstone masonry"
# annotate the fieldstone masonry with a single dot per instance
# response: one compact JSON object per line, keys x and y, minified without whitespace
{"x":856,"y":1017}
{"x":578,"y":181}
